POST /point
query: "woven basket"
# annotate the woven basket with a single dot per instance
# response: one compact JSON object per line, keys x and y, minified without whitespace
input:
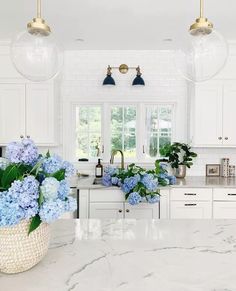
{"x":18,"y":250}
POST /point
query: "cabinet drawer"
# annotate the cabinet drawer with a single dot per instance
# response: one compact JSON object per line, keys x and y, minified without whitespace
{"x":224,"y":210}
{"x":225,"y":194}
{"x":190,"y":210}
{"x":191,"y":194}
{"x":106,"y":195}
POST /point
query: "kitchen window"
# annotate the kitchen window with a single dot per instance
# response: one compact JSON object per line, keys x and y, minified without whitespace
{"x":123,"y":130}
{"x":139,"y":130}
{"x":158,"y":128}
{"x":88,"y":131}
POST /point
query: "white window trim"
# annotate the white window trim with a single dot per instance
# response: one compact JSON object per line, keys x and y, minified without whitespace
{"x":69,"y":129}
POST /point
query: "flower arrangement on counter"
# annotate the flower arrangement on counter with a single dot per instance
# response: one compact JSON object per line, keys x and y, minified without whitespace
{"x":139,"y":184}
{"x":32,"y":186}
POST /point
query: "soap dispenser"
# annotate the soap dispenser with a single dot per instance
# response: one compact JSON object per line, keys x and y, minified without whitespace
{"x":99,"y":169}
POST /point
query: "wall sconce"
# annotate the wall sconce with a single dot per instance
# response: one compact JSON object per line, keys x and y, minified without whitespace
{"x":109,"y":80}
{"x":123,"y":69}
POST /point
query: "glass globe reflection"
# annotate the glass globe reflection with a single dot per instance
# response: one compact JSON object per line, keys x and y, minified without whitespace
{"x":202,"y":56}
{"x":35,"y":56}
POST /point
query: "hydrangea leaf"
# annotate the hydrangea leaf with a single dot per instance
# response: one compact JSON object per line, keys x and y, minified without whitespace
{"x":59,"y":175}
{"x":10,"y":174}
{"x":35,"y":223}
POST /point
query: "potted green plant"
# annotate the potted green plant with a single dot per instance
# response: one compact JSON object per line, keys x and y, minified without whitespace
{"x":179,"y":156}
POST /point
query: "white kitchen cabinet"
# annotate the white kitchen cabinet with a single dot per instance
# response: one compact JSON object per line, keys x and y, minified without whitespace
{"x":190,"y":210}
{"x":191,"y":203}
{"x":110,"y":203}
{"x":207,"y":115}
{"x":40,"y":113}
{"x":224,"y":203}
{"x":224,"y":210}
{"x":12,"y":112}
{"x":142,"y":211}
{"x":106,"y":210}
{"x":212,"y":112}
{"x":27,"y":110}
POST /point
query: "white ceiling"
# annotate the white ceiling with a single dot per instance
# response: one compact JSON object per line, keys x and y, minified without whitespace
{"x":118,"y":24}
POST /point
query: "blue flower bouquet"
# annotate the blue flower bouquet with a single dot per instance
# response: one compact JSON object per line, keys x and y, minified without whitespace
{"x":34,"y":192}
{"x":138,"y":184}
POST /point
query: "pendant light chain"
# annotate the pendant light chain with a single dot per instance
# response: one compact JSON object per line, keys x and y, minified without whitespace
{"x":38,"y":8}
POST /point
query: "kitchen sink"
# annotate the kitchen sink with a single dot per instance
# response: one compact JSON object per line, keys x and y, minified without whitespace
{"x":97,"y":181}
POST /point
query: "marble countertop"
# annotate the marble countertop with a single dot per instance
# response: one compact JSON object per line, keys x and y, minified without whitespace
{"x":188,"y":182}
{"x":130,"y":255}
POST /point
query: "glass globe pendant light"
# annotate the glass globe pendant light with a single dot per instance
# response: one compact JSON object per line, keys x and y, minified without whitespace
{"x":35,"y":53}
{"x":204,"y":53}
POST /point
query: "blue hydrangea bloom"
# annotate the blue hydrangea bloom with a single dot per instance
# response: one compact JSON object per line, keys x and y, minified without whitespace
{"x":163,"y":175}
{"x":115,"y":180}
{"x":51,"y":210}
{"x":25,"y":193}
{"x":63,"y":190}
{"x":172,"y":180}
{"x":130,"y":183}
{"x":150,"y":182}
{"x":24,"y":152}
{"x":153,"y":199}
{"x":10,"y":211}
{"x":111,"y":170}
{"x":134,"y":198}
{"x":52,"y":164}
{"x":69,"y":169}
{"x":4,"y":163}
{"x":49,"y":188}
{"x":70,"y":204}
{"x":106,"y":180}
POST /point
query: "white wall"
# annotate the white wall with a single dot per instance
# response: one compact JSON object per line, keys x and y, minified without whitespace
{"x":82,"y":82}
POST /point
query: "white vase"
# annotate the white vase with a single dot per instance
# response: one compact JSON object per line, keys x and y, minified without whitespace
{"x":18,"y":250}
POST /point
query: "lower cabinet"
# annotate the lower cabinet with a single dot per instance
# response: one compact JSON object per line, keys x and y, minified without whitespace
{"x":111,"y":204}
{"x":191,"y":203}
{"x":190,"y":210}
{"x":224,"y":203}
{"x":117,"y":210}
{"x":106,"y":210}
{"x":224,"y":210}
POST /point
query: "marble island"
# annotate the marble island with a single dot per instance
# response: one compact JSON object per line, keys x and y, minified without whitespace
{"x":134,"y":255}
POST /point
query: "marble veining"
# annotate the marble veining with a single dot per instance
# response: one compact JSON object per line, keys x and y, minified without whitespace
{"x":134,"y":255}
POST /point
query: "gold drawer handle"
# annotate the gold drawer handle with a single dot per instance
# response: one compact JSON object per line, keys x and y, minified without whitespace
{"x":190,"y":204}
{"x":190,"y":194}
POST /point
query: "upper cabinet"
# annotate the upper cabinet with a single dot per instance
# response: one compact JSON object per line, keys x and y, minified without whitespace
{"x":212,"y":109}
{"x":28,"y":110}
{"x":12,"y":112}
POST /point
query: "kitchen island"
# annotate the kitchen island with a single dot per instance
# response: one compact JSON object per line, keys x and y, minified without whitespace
{"x":134,"y":255}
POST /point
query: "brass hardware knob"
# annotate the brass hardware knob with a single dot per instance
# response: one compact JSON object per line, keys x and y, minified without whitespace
{"x":120,"y":210}
{"x":28,"y":136}
{"x":21,"y":136}
{"x":127,"y":210}
{"x":226,"y":138}
{"x":219,"y":138}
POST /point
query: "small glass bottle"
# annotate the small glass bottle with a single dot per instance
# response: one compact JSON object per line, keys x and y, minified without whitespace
{"x":99,"y":169}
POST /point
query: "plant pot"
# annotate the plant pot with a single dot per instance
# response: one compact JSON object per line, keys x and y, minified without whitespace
{"x":18,"y":250}
{"x":180,"y":172}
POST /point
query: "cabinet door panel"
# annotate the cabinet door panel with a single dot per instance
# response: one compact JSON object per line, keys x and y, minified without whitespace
{"x":229,"y":105}
{"x":190,"y":210}
{"x":142,"y":211}
{"x":12,"y":112}
{"x":106,"y":210}
{"x":207,"y":125}
{"x":40,"y":118}
{"x":224,"y":210}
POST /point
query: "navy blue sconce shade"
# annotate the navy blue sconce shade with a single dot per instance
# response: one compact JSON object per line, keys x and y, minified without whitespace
{"x":138,"y":80}
{"x":109,"y":80}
